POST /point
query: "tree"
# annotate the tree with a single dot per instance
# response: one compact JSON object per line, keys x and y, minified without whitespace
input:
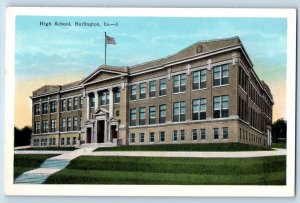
{"x":279,"y":129}
{"x":22,"y":136}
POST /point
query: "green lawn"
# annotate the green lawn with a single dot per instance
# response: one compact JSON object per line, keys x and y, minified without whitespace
{"x":280,"y":144}
{"x":50,"y":148}
{"x":27,"y":162}
{"x":171,"y":171}
{"x":187,"y":147}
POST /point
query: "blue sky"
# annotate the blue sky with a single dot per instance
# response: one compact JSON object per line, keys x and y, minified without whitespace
{"x":78,"y":51}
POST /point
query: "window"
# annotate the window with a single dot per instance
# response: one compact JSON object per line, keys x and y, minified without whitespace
{"x":104,"y":98}
{"x":152,"y":115}
{"x":53,"y":107}
{"x":54,"y":141}
{"x":80,"y":122}
{"x":117,"y":113}
{"x":199,"y":109}
{"x":162,"y":113}
{"x":69,"y":101}
{"x":132,"y":138}
{"x":36,"y":109}
{"x":92,"y":101}
{"x":152,"y":90}
{"x":75,"y":103}
{"x":75,"y":123}
{"x":221,"y":107}
{"x":45,"y":108}
{"x":225,"y":133}
{"x":179,"y":83}
{"x":216,"y":133}
{"x":151,"y":137}
{"x":143,"y":90}
{"x":133,"y":92}
{"x":63,"y":124}
{"x":68,"y":141}
{"x":194,"y":134}
{"x":161,"y":136}
{"x":36,"y":127}
{"x":174,"y":138}
{"x":80,"y":102}
{"x":178,"y":111}
{"x":162,"y":87}
{"x":132,"y":117}
{"x":63,"y":105}
{"x":221,"y":75}
{"x":50,"y":141}
{"x":202,"y":134}
{"x":141,"y":137}
{"x":199,"y":79}
{"x":69,"y":123}
{"x":62,"y":141}
{"x":74,"y":141}
{"x":142,"y":116}
{"x":45,"y":126}
{"x":182,"y":135}
{"x":53,"y":125}
{"x":117,"y":95}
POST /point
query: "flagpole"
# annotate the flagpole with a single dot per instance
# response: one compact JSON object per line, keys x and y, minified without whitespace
{"x":105,"y":48}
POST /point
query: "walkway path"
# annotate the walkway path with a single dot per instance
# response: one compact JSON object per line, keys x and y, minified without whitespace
{"x":50,"y":166}
{"x":244,"y":154}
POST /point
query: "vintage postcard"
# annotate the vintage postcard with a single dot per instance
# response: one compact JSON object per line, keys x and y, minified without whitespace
{"x":150,"y":102}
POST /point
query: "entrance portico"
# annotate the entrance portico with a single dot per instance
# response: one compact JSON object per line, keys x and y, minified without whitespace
{"x":101,"y":128}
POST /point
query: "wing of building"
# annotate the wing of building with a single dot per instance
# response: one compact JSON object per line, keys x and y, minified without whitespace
{"x":205,"y":93}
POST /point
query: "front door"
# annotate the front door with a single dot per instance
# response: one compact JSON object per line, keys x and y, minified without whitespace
{"x":100,"y":131}
{"x":114,"y":133}
{"x":88,"y":135}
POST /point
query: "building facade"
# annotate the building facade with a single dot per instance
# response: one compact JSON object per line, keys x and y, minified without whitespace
{"x":205,"y":93}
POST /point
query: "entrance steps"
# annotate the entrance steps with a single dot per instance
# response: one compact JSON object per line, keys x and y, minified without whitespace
{"x":96,"y":145}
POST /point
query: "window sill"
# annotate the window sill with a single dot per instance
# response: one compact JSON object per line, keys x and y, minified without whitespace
{"x":179,"y":93}
{"x":199,"y":89}
{"x":220,"y":86}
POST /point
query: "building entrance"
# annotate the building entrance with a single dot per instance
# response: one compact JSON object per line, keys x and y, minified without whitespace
{"x":100,"y":131}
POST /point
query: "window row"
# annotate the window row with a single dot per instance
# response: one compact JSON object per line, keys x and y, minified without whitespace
{"x":66,"y":125}
{"x":220,"y":104}
{"x":44,"y":142}
{"x":66,"y":104}
{"x":103,"y":97}
{"x":245,"y":136}
{"x":220,"y":75}
{"x":180,"y":135}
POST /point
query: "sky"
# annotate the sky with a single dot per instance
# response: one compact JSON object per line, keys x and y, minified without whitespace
{"x":57,"y":55}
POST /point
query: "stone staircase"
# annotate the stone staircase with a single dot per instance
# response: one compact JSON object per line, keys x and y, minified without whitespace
{"x":96,"y":145}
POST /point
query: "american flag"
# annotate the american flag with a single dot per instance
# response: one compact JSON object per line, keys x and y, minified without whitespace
{"x":110,"y":40}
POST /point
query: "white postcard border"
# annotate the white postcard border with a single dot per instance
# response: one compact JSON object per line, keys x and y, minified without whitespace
{"x":148,"y":190}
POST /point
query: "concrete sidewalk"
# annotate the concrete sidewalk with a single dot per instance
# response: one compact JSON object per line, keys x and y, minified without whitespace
{"x":51,"y":166}
{"x":244,"y":154}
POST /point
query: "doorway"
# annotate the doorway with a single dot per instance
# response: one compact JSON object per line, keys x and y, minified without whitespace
{"x":114,"y":133}
{"x":88,"y":135}
{"x":100,"y":131}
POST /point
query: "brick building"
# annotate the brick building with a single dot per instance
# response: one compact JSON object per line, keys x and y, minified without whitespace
{"x":205,"y":93}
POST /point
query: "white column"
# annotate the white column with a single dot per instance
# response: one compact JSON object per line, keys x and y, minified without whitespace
{"x":111,"y":103}
{"x":87,"y":107}
{"x":96,"y":100}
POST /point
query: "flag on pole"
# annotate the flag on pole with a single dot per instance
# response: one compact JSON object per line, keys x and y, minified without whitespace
{"x":110,"y":40}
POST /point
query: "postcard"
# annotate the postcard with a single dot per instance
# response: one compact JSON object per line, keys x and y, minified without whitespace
{"x":150,"y":102}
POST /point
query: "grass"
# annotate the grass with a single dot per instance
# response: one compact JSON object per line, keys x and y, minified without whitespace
{"x":50,"y":148}
{"x":279,"y":144}
{"x":171,"y":171}
{"x":27,"y":162}
{"x":187,"y":147}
